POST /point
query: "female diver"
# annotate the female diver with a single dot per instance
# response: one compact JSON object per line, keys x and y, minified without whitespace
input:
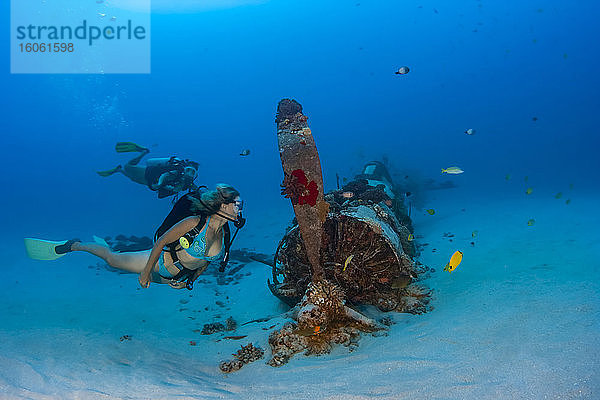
{"x":179,"y":255}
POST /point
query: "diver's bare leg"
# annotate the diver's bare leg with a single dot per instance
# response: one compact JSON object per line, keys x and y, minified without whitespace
{"x":137,"y":159}
{"x":132,"y":261}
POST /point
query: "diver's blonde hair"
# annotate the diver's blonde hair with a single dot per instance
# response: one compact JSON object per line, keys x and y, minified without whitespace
{"x":211,"y":200}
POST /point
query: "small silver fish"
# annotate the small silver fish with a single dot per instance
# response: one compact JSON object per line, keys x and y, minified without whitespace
{"x":452,"y":170}
{"x":245,"y":152}
{"x":470,"y":131}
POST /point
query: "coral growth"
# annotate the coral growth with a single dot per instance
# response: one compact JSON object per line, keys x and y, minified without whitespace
{"x":414,"y":299}
{"x":286,"y":109}
{"x":245,"y":355}
{"x":298,"y":189}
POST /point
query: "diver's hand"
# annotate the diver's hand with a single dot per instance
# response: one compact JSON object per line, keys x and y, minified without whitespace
{"x":177,"y":284}
{"x":144,"y":280}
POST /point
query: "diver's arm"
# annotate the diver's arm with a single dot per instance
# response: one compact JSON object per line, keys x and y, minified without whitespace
{"x":173,"y":234}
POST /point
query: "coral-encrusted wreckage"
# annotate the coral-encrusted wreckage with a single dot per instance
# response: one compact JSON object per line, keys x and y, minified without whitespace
{"x":345,"y":249}
{"x":350,"y":246}
{"x":245,"y":355}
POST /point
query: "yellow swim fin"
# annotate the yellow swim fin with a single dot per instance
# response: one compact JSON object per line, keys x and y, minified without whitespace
{"x":39,"y":249}
{"x":129,"y":147}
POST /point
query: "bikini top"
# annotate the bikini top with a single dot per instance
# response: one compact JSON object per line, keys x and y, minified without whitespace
{"x":197,"y":248}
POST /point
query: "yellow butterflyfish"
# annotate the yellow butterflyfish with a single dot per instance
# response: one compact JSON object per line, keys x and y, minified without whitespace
{"x":452,"y":171}
{"x":529,"y":191}
{"x":350,"y":257}
{"x":411,"y":237}
{"x":454,"y":262}
{"x":430,"y":211}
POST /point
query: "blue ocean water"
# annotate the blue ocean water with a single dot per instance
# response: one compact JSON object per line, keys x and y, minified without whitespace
{"x":523,"y":75}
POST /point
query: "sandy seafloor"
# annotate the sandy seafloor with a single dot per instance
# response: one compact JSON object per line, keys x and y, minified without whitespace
{"x":519,"y":319}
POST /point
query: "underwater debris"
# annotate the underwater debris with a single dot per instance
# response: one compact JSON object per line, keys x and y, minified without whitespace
{"x":258,"y":320}
{"x":323,"y":320}
{"x":301,"y":161}
{"x":245,"y":355}
{"x":235,"y":337}
{"x":340,"y":248}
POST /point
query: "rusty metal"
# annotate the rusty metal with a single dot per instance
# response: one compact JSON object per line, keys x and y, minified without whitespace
{"x":303,"y":180}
